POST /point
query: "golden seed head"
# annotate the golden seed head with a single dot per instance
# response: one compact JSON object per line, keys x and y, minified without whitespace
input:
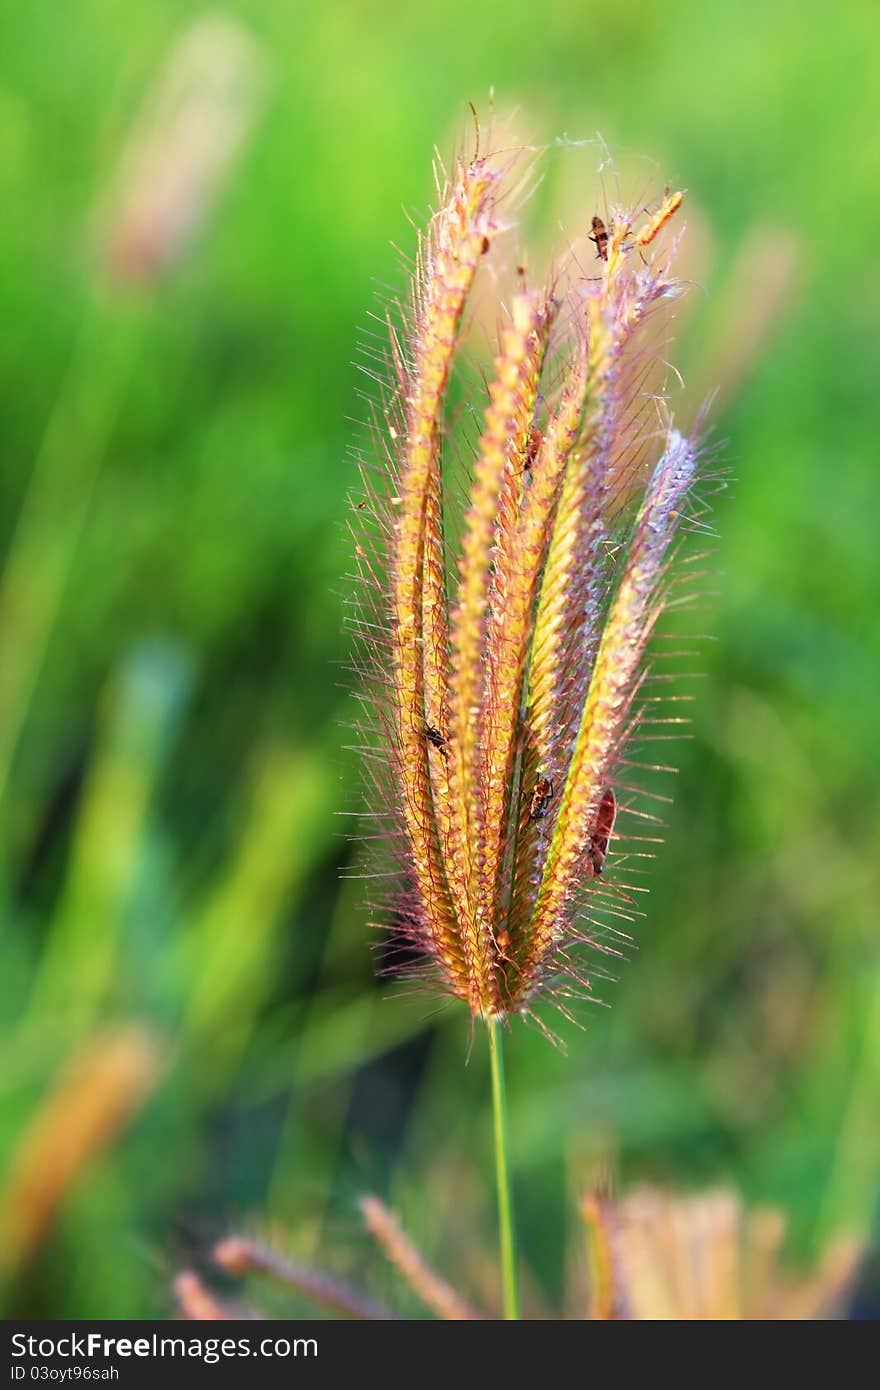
{"x":501,"y":680}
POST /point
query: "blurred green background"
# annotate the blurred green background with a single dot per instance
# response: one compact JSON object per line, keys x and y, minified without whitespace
{"x":192,"y":1037}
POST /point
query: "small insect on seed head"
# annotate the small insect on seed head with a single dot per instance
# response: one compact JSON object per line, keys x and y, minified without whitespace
{"x":599,"y":237}
{"x":435,"y":738}
{"x":601,"y":836}
{"x":542,"y":795}
{"x":536,"y":439}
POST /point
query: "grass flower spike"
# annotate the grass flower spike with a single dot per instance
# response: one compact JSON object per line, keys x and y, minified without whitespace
{"x":504,"y":653}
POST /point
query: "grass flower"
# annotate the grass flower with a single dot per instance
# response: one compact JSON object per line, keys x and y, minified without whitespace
{"x":432,"y":1290}
{"x":503,"y":682}
{"x":504,"y":655}
{"x":705,"y":1256}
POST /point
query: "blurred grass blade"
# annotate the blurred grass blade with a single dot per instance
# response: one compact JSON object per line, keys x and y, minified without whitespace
{"x":82,"y":954}
{"x":233,"y":948}
{"x":105,"y":1082}
{"x":181,"y":151}
{"x":57,"y":504}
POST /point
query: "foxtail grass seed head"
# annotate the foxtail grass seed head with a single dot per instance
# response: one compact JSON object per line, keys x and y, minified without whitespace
{"x":503,"y":651}
{"x":182,"y":150}
{"x":657,"y":1256}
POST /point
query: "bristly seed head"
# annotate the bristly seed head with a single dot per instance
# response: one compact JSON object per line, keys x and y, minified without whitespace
{"x":502,"y":686}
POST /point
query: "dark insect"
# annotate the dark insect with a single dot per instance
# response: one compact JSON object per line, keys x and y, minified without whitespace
{"x":484,"y":248}
{"x":600,"y":238}
{"x":361,"y":505}
{"x":434,"y":736}
{"x":601,"y":836}
{"x":541,"y":798}
{"x":536,"y":439}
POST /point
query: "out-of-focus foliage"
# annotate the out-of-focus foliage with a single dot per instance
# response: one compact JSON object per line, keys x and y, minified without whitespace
{"x":187,"y":999}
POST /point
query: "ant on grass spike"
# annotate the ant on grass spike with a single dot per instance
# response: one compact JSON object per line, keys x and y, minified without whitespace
{"x":435,"y":738}
{"x":601,"y":836}
{"x":541,"y":798}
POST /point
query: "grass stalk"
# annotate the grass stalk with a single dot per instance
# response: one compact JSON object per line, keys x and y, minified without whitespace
{"x":507,"y":1229}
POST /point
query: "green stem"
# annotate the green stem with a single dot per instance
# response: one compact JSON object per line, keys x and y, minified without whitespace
{"x":502,"y":1175}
